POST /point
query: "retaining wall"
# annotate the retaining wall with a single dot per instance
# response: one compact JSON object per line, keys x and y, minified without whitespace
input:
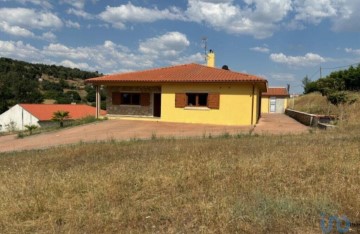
{"x":302,"y":117}
{"x":321,"y":121}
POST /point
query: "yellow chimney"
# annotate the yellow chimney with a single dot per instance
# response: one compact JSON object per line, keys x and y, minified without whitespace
{"x":211,"y":59}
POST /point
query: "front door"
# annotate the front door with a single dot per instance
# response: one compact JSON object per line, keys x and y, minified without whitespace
{"x":157,"y":104}
{"x":272,"y":104}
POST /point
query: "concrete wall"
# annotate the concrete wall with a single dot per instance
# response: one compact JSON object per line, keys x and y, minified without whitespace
{"x":19,"y":117}
{"x":302,"y":117}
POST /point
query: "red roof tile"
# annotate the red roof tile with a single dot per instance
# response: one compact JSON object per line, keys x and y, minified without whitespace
{"x":45,"y":112}
{"x":276,"y":92}
{"x":192,"y":73}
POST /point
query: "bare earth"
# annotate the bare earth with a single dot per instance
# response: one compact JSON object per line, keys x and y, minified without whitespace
{"x":137,"y":129}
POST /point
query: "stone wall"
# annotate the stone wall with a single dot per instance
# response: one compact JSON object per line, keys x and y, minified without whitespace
{"x":134,"y":110}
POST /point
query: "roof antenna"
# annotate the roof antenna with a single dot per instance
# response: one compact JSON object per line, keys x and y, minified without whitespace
{"x":204,"y":45}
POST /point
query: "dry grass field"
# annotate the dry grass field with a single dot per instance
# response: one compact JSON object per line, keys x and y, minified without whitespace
{"x":239,"y":184}
{"x":316,"y":104}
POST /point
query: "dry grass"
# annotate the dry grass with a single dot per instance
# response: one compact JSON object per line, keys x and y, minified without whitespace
{"x":244,"y":184}
{"x":316,"y":104}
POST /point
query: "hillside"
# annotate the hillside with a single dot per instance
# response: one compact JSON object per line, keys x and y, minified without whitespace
{"x":245,"y":184}
{"x":22,"y":82}
{"x":315,"y":103}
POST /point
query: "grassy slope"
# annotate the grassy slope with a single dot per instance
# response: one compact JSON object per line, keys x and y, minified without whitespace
{"x":316,"y":104}
{"x":247,"y":185}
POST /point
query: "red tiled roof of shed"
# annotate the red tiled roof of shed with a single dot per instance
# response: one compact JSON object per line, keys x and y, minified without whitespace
{"x":44,"y":112}
{"x":187,"y":73}
{"x":276,"y":92}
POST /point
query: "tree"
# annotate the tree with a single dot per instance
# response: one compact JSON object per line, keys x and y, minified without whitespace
{"x":31,"y":128}
{"x":309,"y":85}
{"x":60,"y":116}
{"x":73,"y":95}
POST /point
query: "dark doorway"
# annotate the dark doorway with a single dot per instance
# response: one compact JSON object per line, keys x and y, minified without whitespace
{"x":157,"y":104}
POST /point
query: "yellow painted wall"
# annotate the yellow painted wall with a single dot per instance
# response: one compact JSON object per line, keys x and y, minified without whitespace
{"x":235,"y":104}
{"x":256,"y":105}
{"x":265,"y":105}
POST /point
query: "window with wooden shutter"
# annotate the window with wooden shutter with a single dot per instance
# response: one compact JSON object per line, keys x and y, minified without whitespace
{"x":180,"y":100}
{"x":130,"y":99}
{"x":145,"y":99}
{"x":214,"y":100}
{"x":116,"y":98}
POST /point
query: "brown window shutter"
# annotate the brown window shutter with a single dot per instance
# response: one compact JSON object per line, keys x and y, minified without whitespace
{"x":180,"y":100}
{"x":214,"y":100}
{"x":116,"y":98}
{"x":145,"y":99}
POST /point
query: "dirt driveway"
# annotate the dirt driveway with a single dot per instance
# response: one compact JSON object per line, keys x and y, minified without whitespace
{"x":136,"y":129}
{"x":279,"y":124}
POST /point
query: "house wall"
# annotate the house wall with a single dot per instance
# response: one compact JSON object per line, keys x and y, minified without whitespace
{"x":281,"y":104}
{"x":130,"y":110}
{"x":235,"y":104}
{"x":19,"y":116}
{"x":265,"y":105}
{"x":256,"y":112}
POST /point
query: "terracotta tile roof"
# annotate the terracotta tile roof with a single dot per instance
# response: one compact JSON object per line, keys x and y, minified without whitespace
{"x":44,"y":112}
{"x":276,"y":92}
{"x":186,"y":73}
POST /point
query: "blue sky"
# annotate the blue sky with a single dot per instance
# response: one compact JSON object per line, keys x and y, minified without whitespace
{"x":280,"y":40}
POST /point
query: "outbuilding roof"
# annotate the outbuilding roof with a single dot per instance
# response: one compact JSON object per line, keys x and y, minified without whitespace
{"x":279,"y":92}
{"x":187,"y":73}
{"x":44,"y":112}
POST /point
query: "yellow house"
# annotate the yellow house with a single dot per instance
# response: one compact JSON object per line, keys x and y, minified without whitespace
{"x":274,"y":100}
{"x":189,"y":93}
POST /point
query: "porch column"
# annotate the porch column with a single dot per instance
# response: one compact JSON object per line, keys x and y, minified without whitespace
{"x":98,"y":101}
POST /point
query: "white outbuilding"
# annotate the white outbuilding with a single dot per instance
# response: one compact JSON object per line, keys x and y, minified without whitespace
{"x":20,"y":115}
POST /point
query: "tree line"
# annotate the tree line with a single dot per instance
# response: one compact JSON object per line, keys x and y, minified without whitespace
{"x":335,"y":85}
{"x":20,"y":83}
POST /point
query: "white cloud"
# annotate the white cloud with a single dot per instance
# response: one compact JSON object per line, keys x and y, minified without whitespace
{"x":15,"y":30}
{"x":19,"y":50}
{"x":342,"y":13}
{"x":348,"y":19}
{"x":68,"y":63}
{"x":352,"y":51}
{"x":43,"y":3}
{"x":79,"y":13}
{"x":71,"y":24}
{"x":170,"y":44}
{"x":62,"y":51}
{"x":48,"y":36}
{"x":169,"y":48}
{"x":260,"y":49}
{"x":119,"y":16}
{"x":309,"y":59}
{"x":29,"y":18}
{"x":314,"y":11}
{"x":257,"y":17}
{"x":75,"y":3}
{"x":194,"y":58}
{"x":283,"y":77}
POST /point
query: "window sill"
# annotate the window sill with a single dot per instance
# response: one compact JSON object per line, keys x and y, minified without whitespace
{"x":205,"y":108}
{"x":124,"y":105}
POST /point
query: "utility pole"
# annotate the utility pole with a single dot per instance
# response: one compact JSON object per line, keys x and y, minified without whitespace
{"x":320,"y":72}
